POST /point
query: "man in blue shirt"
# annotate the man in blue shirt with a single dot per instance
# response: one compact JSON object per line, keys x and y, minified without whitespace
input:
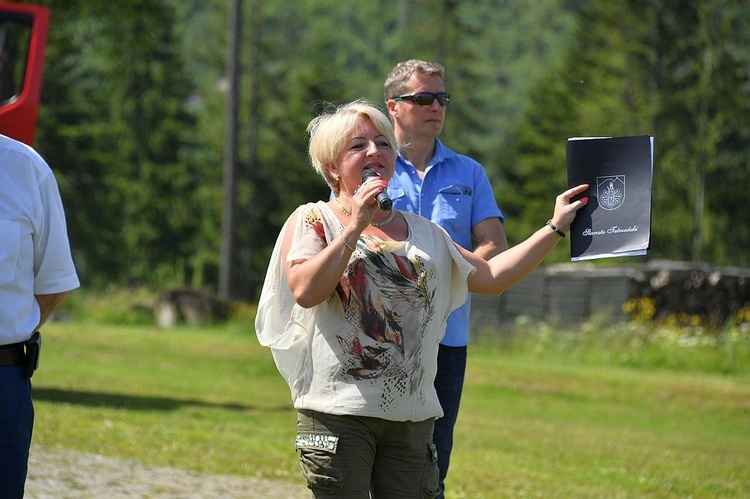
{"x":452,"y":190}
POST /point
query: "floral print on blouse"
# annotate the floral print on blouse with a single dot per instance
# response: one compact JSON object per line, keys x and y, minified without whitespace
{"x":371,"y":348}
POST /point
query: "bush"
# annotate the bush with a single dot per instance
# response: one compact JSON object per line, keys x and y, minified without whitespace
{"x":671,"y":344}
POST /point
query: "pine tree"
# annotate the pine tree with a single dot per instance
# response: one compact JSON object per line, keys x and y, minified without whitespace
{"x":668,"y":70}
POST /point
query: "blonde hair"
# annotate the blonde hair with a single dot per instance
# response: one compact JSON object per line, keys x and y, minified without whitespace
{"x":329,"y":133}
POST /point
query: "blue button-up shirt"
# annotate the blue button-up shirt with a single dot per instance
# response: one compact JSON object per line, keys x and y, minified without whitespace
{"x":456,"y":194}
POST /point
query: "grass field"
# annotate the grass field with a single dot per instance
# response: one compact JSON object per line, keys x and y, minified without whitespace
{"x":546,"y":422}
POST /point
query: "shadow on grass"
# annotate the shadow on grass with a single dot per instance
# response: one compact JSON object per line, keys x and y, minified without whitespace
{"x":133,"y":402}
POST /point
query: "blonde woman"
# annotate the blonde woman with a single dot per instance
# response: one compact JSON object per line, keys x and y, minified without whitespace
{"x":353,"y":308}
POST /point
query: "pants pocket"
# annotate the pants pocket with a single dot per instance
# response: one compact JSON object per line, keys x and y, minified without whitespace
{"x":320,"y":466}
{"x":431,"y":477}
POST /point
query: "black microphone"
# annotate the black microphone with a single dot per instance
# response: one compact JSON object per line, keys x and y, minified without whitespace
{"x":384,"y":201}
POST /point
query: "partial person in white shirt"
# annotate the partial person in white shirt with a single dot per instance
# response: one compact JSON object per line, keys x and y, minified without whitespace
{"x":36,"y":273}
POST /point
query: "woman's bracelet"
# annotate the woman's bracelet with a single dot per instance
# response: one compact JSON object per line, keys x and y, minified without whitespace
{"x":346,"y":245}
{"x":555,"y":229}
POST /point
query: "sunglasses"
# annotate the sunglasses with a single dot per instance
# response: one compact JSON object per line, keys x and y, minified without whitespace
{"x":426,"y":98}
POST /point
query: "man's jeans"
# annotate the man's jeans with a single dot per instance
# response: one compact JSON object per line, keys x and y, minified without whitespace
{"x":449,"y":383}
{"x":16,"y":423}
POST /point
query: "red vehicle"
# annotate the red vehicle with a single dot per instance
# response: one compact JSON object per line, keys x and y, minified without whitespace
{"x":23,"y":37}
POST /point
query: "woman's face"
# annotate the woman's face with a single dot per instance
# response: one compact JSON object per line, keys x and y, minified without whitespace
{"x":365,"y":149}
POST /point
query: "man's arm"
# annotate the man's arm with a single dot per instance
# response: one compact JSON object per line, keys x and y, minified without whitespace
{"x":48,"y":304}
{"x":489,"y":238}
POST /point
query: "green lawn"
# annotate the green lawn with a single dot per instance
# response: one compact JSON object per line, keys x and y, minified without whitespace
{"x":549,"y":425}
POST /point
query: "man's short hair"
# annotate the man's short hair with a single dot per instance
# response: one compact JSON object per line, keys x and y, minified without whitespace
{"x":397,"y":80}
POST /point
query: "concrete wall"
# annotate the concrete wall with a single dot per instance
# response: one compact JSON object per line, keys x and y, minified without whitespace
{"x":572,"y":292}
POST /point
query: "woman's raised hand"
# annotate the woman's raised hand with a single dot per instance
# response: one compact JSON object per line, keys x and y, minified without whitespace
{"x":566,"y":208}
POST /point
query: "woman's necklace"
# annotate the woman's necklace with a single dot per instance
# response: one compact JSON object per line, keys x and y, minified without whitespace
{"x":383,"y":222}
{"x":346,"y":212}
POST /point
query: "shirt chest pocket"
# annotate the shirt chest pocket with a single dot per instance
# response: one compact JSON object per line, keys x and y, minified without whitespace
{"x":10,"y":249}
{"x":455,"y":203}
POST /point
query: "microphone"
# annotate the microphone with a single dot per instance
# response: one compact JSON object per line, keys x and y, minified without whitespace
{"x":384,"y":201}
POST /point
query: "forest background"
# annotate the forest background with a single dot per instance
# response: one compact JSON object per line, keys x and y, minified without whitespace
{"x":135,"y":93}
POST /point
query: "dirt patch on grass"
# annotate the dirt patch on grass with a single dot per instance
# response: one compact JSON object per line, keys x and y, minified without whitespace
{"x":56,"y":473}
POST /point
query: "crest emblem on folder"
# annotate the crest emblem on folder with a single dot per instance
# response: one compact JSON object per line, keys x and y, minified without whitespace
{"x":610,"y":191}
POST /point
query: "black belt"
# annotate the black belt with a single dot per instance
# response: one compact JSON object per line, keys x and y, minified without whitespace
{"x":12,"y":355}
